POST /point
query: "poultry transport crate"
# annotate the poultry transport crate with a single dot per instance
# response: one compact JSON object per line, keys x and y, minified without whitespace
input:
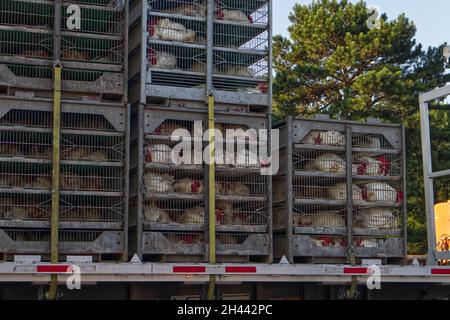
{"x":92,"y":51}
{"x":168,"y":183}
{"x":177,"y":49}
{"x":93,"y":211}
{"x":340,"y":191}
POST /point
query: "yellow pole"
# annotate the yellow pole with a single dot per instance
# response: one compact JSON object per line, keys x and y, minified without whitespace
{"x":212,"y":195}
{"x":55,"y":180}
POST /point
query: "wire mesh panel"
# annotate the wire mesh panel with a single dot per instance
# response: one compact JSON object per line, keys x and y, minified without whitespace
{"x":177,"y":42}
{"x":92,"y":50}
{"x":246,"y":12}
{"x":26,"y":44}
{"x":95,"y":20}
{"x":99,"y":40}
{"x":173,"y":210}
{"x":21,"y":207}
{"x":379,"y":222}
{"x":322,"y":169}
{"x":92,"y":209}
{"x":36,"y":15}
{"x":241,"y":32}
{"x":93,"y":180}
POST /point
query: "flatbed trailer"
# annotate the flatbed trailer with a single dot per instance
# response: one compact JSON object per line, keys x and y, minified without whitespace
{"x":39,"y":272}
{"x":156,"y":281}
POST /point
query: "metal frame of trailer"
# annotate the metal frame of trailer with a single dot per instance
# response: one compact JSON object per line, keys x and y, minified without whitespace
{"x":429,"y":175}
{"x":95,"y":273}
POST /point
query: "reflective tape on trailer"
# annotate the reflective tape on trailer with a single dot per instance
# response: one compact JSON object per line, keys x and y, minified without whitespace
{"x":53,"y":268}
{"x":356,"y":270}
{"x":440,"y":271}
{"x":238,"y":269}
{"x":189,"y":269}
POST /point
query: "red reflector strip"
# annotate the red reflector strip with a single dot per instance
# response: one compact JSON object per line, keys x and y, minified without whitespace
{"x":192,"y":269}
{"x":53,"y":268}
{"x":240,"y":269}
{"x":355,"y":270}
{"x":440,"y":271}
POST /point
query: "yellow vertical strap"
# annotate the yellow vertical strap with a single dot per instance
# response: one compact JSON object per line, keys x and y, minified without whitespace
{"x":212,"y":196}
{"x":54,"y":244}
{"x":212,"y":182}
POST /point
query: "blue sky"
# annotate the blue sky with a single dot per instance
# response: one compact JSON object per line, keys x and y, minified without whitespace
{"x":430,"y":16}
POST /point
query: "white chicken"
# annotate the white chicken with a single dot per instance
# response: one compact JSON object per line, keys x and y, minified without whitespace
{"x":328,"y":241}
{"x":165,"y":29}
{"x":194,"y":215}
{"x":163,"y":60}
{"x":188,"y":186}
{"x":373,"y":167}
{"x":325,"y":138}
{"x":159,"y":153}
{"x":369,"y":243}
{"x":155,"y":182}
{"x":325,"y":219}
{"x":327,"y":162}
{"x":233,"y":15}
{"x":376,"y":218}
{"x":339,"y":192}
{"x":154,"y":214}
{"x":380,"y":191}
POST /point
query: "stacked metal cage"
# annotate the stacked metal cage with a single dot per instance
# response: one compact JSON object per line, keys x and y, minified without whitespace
{"x":93,"y":137}
{"x":340,"y":194}
{"x":179,"y":50}
{"x":168,"y":218}
{"x":93,"y":46}
{"x":176,"y":45}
